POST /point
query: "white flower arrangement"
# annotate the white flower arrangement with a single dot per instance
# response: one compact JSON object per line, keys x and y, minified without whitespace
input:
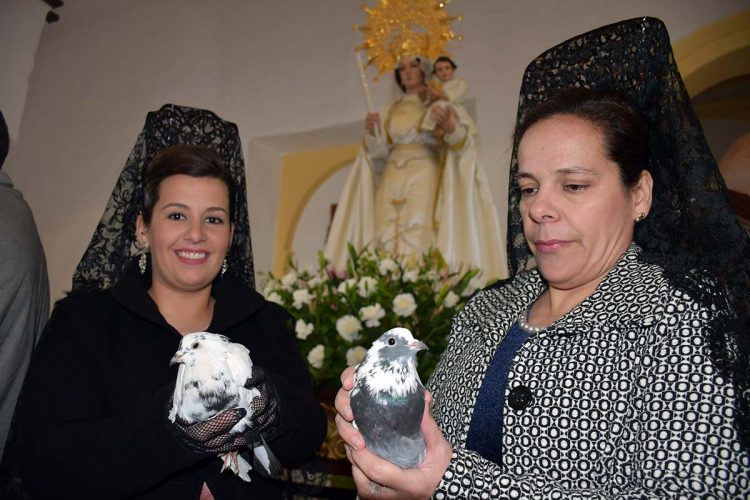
{"x":316,"y":356}
{"x":288,"y":280}
{"x":301,"y":298}
{"x":372,"y":315}
{"x":367,"y":286}
{"x":336,"y":318}
{"x":302,"y":329}
{"x":404,"y":304}
{"x":348,"y":327}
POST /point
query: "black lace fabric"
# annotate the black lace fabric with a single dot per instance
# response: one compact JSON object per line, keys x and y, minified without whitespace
{"x":213,"y":436}
{"x":692,"y":230}
{"x":265,"y":406}
{"x":113,"y":243}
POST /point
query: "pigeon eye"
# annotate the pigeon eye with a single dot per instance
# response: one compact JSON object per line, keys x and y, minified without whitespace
{"x":195,"y":346}
{"x":391,"y":341}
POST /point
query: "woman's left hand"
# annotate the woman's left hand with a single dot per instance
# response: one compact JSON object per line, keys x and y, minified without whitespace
{"x":378,"y":478}
{"x":445,"y":118}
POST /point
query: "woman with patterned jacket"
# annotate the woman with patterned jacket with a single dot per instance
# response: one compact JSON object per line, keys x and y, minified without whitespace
{"x":609,"y":371}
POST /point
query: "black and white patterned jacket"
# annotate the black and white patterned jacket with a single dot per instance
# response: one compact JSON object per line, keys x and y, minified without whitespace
{"x":626,"y":402}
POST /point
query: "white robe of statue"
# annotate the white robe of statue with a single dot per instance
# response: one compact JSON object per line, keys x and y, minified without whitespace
{"x":405,"y":194}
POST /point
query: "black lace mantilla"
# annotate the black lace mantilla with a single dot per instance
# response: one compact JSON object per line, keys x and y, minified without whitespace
{"x":113,"y":244}
{"x":692,"y":225}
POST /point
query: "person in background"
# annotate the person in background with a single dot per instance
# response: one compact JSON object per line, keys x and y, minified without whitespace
{"x":24,"y":290}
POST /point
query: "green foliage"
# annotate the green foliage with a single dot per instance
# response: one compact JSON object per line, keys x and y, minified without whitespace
{"x":337,"y":318}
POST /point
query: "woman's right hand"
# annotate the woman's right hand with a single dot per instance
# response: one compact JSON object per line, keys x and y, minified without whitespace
{"x":372,"y":123}
{"x":377,"y":478}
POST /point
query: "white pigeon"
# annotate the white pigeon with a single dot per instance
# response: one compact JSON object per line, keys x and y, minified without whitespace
{"x":211,"y":378}
{"x":387,"y":399}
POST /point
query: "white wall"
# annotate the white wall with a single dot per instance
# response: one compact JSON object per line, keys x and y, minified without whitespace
{"x":273,"y":67}
{"x":21,"y":23}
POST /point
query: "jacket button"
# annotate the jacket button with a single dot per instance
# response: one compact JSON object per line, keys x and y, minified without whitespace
{"x":520,"y":397}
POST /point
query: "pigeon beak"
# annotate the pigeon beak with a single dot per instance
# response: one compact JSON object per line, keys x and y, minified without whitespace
{"x":177,"y":358}
{"x":417,"y":345}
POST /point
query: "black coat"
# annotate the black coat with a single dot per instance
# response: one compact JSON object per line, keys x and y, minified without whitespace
{"x":93,"y":421}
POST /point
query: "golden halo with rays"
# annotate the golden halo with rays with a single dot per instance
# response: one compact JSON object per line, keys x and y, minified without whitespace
{"x":398,"y":28}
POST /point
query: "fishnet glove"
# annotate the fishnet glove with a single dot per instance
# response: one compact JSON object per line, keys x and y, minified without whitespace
{"x":212,"y":436}
{"x":265,"y":408}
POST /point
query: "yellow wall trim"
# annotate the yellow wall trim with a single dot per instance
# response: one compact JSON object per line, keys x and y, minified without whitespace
{"x":715,"y":53}
{"x":302,"y":174}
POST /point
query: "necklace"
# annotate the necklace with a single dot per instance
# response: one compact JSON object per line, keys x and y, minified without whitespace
{"x":525,"y":326}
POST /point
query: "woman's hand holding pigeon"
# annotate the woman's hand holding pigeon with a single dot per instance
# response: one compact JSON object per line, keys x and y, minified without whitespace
{"x":213,"y":436}
{"x":368,"y":468}
{"x":265,"y":407}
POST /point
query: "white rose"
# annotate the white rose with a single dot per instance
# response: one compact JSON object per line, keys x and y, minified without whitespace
{"x":316,"y":356}
{"x":345,"y":286}
{"x":270,"y":287}
{"x":289,"y":279}
{"x":303,"y":329}
{"x":410,"y":276}
{"x":372,"y":315}
{"x":404,"y":304}
{"x":275,"y":297}
{"x":301,"y":298}
{"x":367,"y":286}
{"x":348,"y":327}
{"x":355,"y":355}
{"x":450,"y":300}
{"x":315,"y":281}
{"x":387,"y":266}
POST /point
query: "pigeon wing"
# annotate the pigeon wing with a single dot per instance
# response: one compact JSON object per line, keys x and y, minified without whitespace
{"x":391,"y":427}
{"x":178,"y":392}
{"x":240,"y":367}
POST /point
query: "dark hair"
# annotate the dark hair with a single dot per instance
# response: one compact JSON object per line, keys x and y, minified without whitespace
{"x":624,"y":132}
{"x":4,"y":140}
{"x":398,"y":76}
{"x":195,"y":161}
{"x":443,"y":59}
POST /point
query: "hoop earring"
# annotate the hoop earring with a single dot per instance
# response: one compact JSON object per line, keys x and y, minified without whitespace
{"x":640,"y":218}
{"x":143,"y":262}
{"x":224,"y":267}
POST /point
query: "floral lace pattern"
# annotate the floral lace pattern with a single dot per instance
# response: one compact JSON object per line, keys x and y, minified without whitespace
{"x":113,"y":244}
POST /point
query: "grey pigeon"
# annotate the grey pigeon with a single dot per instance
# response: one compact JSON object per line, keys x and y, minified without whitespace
{"x":211,"y":378}
{"x":387,"y":399}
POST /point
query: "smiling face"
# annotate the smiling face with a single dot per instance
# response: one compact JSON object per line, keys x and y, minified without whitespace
{"x":444,"y":70}
{"x":410,"y":75}
{"x":189,"y":234}
{"x":578,"y":216}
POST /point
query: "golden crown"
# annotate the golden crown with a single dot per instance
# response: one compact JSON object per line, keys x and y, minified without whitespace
{"x":398,"y":28}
